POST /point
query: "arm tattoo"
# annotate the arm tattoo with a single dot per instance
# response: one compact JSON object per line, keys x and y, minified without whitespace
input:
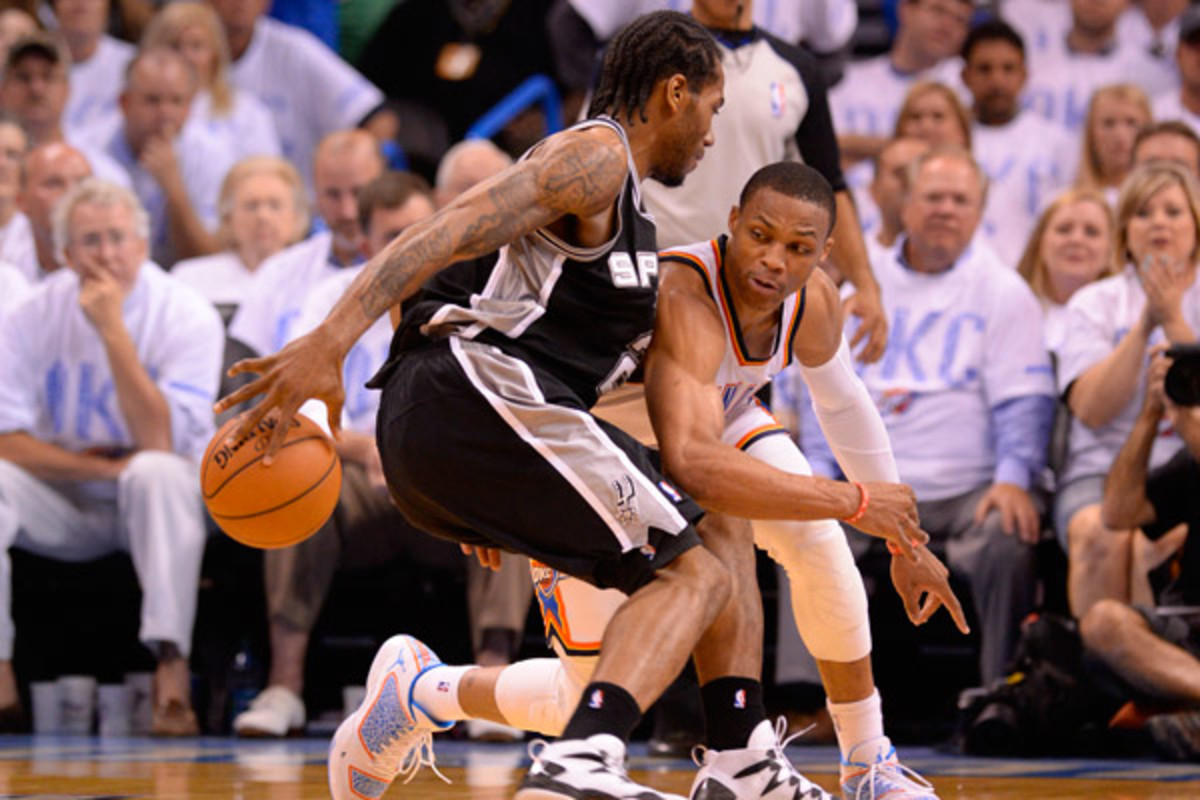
{"x":387,"y":285}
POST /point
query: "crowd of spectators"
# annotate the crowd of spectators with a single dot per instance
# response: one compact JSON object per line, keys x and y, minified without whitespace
{"x":1019,"y":177}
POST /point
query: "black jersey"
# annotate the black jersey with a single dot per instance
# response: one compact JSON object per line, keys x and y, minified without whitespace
{"x":584,"y":315}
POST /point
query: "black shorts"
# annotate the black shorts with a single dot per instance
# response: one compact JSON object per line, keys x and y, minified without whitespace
{"x":483,"y":448}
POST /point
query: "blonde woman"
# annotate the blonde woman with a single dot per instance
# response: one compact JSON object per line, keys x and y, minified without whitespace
{"x":262,"y":210}
{"x":1114,"y":117}
{"x":1070,"y":247}
{"x":1112,"y":325}
{"x":235,"y":118}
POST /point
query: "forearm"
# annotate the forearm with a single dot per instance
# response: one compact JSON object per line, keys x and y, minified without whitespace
{"x":50,"y":462}
{"x":189,"y":237}
{"x":849,"y":251}
{"x":857,"y":147}
{"x":1107,"y":388}
{"x":1178,"y":331}
{"x":1124,"y":504}
{"x":143,"y":406}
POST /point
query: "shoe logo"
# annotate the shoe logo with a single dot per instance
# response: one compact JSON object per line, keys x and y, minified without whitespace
{"x":597,"y":699}
{"x":739,"y":698}
{"x":443,"y":687}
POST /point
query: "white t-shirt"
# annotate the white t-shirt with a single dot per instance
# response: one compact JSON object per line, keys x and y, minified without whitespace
{"x":1061,"y":82}
{"x":221,"y":278}
{"x":867,"y":100}
{"x":202,"y":163}
{"x":14,"y":288}
{"x":1054,"y":322}
{"x":55,"y":380}
{"x":1040,"y":22}
{"x":959,"y":343}
{"x":1020,"y":176}
{"x":17,"y":247}
{"x":1170,"y":106}
{"x":95,"y":85}
{"x":364,"y":359}
{"x":1098,"y":317}
{"x":308,"y":89}
{"x":1156,"y":51}
{"x":266,"y":319}
{"x":246,"y":130}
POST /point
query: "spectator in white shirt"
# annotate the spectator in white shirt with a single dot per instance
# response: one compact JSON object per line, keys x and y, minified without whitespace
{"x":310,"y":91}
{"x":1184,"y":102}
{"x":264,"y":209}
{"x":1114,"y":117}
{"x":231,"y":116}
{"x":13,"y":288}
{"x":888,"y":189}
{"x":15,"y":237}
{"x":1070,"y":247}
{"x":1022,"y":154}
{"x":1150,"y":29}
{"x":98,"y":63}
{"x":1171,"y":141}
{"x":108,"y":372}
{"x":927,"y":43}
{"x":51,"y":170}
{"x":176,"y":171}
{"x":1111,"y":327}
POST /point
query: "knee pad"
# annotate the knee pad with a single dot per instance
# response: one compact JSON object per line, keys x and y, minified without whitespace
{"x":538,"y":694}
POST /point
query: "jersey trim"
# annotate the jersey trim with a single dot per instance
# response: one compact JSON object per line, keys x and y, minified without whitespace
{"x":758,"y":434}
{"x":794,"y":324}
{"x":689,"y":260}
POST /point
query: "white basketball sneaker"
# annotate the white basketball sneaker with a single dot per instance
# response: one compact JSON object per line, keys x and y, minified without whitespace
{"x":759,"y":770}
{"x":389,"y":734}
{"x":591,"y":768}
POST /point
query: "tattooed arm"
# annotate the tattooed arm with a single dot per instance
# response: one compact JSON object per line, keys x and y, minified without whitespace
{"x":574,"y":173}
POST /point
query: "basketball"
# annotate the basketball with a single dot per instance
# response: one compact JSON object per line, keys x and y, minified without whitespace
{"x":275,"y":506}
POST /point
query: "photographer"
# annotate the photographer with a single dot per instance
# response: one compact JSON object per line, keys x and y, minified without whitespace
{"x":1156,"y":652}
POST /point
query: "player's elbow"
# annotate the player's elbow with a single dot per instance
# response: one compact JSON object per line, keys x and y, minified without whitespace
{"x":692,"y":474}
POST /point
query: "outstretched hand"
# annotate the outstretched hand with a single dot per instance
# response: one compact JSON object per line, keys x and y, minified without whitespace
{"x":891,"y":514}
{"x":923,"y":584}
{"x":308,"y":368}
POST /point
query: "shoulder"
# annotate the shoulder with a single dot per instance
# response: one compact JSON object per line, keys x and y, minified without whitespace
{"x":801,"y":60}
{"x":580,"y":171}
{"x":186,"y":304}
{"x":1100,"y":294}
{"x":820,"y":332}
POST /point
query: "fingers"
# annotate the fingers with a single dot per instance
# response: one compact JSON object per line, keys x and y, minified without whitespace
{"x":248,"y":422}
{"x":234,"y":399}
{"x":283,"y":423}
{"x":256,"y":365}
{"x":1008,"y":518}
{"x":947,"y":597}
{"x":467,"y":550}
{"x":911,"y":607}
{"x":859,"y":333}
{"x":1031,"y":524}
{"x":877,"y":344}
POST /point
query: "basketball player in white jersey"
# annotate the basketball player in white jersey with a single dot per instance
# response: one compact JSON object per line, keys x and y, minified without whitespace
{"x":733,"y":312}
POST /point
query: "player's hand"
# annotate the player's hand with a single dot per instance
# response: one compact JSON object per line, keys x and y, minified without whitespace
{"x":1017,"y":511}
{"x":101,"y":298}
{"x":308,"y":368}
{"x":923,"y":584}
{"x":872,"y":324}
{"x":489,"y":557}
{"x":892,"y":515}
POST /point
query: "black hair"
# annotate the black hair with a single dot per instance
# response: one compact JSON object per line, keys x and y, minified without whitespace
{"x":992,"y":30}
{"x":391,"y":190}
{"x":796,"y":180}
{"x":653,"y":47}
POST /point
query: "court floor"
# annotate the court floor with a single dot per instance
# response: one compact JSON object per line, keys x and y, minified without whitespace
{"x":66,"y":768}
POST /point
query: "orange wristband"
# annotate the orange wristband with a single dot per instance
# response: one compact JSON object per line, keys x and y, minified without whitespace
{"x":864,"y":501}
{"x":893,"y":548}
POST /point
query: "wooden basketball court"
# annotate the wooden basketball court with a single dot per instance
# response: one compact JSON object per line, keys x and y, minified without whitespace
{"x":63,"y":768}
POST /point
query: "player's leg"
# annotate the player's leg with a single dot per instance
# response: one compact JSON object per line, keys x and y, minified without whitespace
{"x":829,"y":603}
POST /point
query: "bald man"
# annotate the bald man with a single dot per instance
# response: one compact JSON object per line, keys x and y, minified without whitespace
{"x":467,"y":163}
{"x":51,"y":170}
{"x":176,"y":171}
{"x":345,"y":162}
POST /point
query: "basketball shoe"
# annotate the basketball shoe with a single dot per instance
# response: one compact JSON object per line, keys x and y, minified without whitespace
{"x":759,"y":770}
{"x":886,"y":778}
{"x":592,"y":768}
{"x":389,"y":734}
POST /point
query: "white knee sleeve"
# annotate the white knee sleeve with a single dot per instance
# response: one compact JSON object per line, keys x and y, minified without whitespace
{"x":828,"y":596}
{"x":538,"y":694}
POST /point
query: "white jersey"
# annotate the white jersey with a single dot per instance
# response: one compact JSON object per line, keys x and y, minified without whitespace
{"x":14,"y":287}
{"x":221,"y":278}
{"x":1019,"y":177}
{"x":308,"y":89}
{"x":1098,"y":317}
{"x":1041,"y":23}
{"x":202,"y":164}
{"x":246,"y":129}
{"x":1061,"y":82}
{"x":867,"y":100}
{"x":960,"y":342}
{"x":95,"y":85}
{"x":55,"y":380}
{"x":368,"y":354}
{"x":267,"y":317}
{"x":1170,"y":106}
{"x":741,"y":374}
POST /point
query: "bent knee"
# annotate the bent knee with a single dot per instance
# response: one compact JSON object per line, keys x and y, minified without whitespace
{"x":1103,"y":619}
{"x":158,"y":466}
{"x":700,"y":572}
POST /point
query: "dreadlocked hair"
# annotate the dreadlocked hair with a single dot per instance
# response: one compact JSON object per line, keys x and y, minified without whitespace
{"x":652,"y":47}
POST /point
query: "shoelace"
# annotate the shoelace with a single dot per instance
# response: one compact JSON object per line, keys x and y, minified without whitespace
{"x":893,"y":771}
{"x":412,"y":755}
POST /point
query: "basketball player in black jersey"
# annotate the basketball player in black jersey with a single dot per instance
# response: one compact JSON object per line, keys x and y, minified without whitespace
{"x":484,"y":427}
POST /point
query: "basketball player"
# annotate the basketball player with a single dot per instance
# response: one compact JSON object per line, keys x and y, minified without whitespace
{"x":483,"y":425}
{"x":730,"y":318}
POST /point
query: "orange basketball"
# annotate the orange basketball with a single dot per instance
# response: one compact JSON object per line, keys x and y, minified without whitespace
{"x":271,"y":506}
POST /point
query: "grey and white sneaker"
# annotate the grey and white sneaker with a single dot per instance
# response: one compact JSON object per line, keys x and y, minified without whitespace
{"x":592,"y":768}
{"x":759,"y":770}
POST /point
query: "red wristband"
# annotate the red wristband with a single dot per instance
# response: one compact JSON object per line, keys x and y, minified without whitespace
{"x":893,"y":548}
{"x":863,"y":502}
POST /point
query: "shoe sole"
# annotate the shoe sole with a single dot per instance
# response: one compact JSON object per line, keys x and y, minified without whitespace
{"x":544,"y":787}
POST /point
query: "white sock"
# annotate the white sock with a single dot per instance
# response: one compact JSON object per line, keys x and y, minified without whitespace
{"x":860,"y":723}
{"x":436,"y":692}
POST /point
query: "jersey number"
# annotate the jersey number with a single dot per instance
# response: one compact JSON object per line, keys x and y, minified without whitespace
{"x":626,"y":276}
